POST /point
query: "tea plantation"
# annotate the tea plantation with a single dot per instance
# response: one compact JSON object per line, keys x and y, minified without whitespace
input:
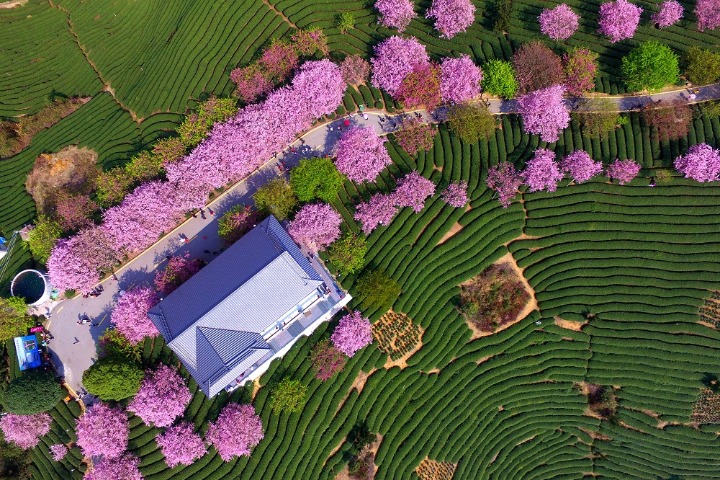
{"x":619,"y":272}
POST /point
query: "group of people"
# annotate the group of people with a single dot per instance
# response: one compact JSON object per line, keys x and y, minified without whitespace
{"x":95,"y":292}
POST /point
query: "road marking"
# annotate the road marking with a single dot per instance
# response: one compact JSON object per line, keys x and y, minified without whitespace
{"x":58,"y":310}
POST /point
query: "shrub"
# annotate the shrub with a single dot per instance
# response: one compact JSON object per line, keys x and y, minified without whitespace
{"x":42,"y":238}
{"x":326,"y":360}
{"x":236,"y":431}
{"x":113,"y":378}
{"x":459,"y":79}
{"x":276,"y":198}
{"x":25,"y":430}
{"x":169,"y":150}
{"x":669,"y":14}
{"x":499,"y":79}
{"x":670,"y":119}
{"x":315,"y":226}
{"x":377,"y":289}
{"x":355,"y":70}
{"x":559,"y":23}
{"x":144,"y":166}
{"x":502,"y":13}
{"x":505,"y":180}
{"x":472,"y":121}
{"x":130,"y":315}
{"x":113,"y":343}
{"x":650,"y":66}
{"x":123,"y":467}
{"x":310,"y":41}
{"x":348,"y":253}
{"x":288,"y":396}
{"x":451,"y":16}
{"x":542,"y":172}
{"x":580,"y":70}
{"x":394,"y":58}
{"x":162,"y":397}
{"x":316,"y":178}
{"x":35,"y":391}
{"x":623,"y":170}
{"x":544,"y":113}
{"x":414,"y":135}
{"x":601,"y":400}
{"x":536,"y":67}
{"x":102,"y":430}
{"x":598,"y":117}
{"x":345,"y":21}
{"x":112,"y":186}
{"x":353,"y":333}
{"x":420,"y":87}
{"x":361,"y":154}
{"x":236,"y":222}
{"x":181,"y":445}
{"x":177,"y":271}
{"x":14,"y":320}
{"x":619,"y":20}
{"x":703,"y":66}
{"x":395,"y":13}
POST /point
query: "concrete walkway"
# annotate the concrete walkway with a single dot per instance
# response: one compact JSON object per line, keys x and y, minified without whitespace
{"x":74,"y":345}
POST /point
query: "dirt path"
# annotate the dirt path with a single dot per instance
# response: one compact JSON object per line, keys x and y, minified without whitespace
{"x":279,"y":13}
{"x":570,"y":325}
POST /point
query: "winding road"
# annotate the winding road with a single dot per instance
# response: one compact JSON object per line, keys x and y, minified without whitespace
{"x":74,"y":345}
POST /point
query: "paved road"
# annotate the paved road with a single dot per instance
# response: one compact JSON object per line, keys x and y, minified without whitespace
{"x":74,"y":346}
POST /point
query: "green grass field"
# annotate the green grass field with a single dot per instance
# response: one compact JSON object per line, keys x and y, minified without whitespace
{"x":640,"y":260}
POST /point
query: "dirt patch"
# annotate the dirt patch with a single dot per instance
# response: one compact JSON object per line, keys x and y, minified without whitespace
{"x":402,"y":361}
{"x":360,"y":380}
{"x":15,"y":4}
{"x":370,"y":449}
{"x":710,"y":311}
{"x":570,"y":325}
{"x":706,"y":408}
{"x":256,"y":387}
{"x":434,"y":470}
{"x":484,"y":359}
{"x":453,"y":230}
{"x":596,"y":435}
{"x":396,"y":335}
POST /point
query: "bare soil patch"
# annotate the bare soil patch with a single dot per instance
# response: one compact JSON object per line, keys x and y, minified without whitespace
{"x":14,"y":4}
{"x":434,"y":470}
{"x":453,"y":230}
{"x":569,"y":324}
{"x":706,"y":408}
{"x":397,"y":335}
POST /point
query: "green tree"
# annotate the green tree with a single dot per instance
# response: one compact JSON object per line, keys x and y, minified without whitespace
{"x":316,"y":178}
{"x":43,"y":237}
{"x":650,"y":66}
{"x":348,"y":253}
{"x":378,"y":289}
{"x":144,"y":166}
{"x":703,"y":66}
{"x":14,"y":320}
{"x":345,"y":21}
{"x":598,"y":117}
{"x":113,"y":378}
{"x":276,"y":197}
{"x":14,"y":461}
{"x":499,"y":79}
{"x":471,"y":122}
{"x":236,"y":222}
{"x":35,"y":391}
{"x":288,"y":396}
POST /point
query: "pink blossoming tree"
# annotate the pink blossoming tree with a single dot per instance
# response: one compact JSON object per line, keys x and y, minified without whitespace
{"x":326,"y":360}
{"x":379,"y":210}
{"x":669,"y":14}
{"x":251,"y":83}
{"x":542,"y":172}
{"x":355,"y":70}
{"x":544,"y":113}
{"x":451,"y":16}
{"x":279,"y":60}
{"x":412,"y":191}
{"x":455,"y":194}
{"x":181,"y":445}
{"x":124,"y":467}
{"x":623,"y":170}
{"x":315,"y":226}
{"x":163,"y":396}
{"x":130,"y":314}
{"x":559,"y":23}
{"x":708,"y":14}
{"x":701,"y":163}
{"x":177,"y":271}
{"x":361,"y":154}
{"x":58,"y":451}
{"x":619,"y":19}
{"x":102,"y":430}
{"x":73,"y":211}
{"x":580,"y":65}
{"x":580,"y":166}
{"x":459,"y":79}
{"x":236,"y":431}
{"x":352,"y":333}
{"x":394,"y":59}
{"x":25,"y":430}
{"x":505,"y":180}
{"x":395,"y":13}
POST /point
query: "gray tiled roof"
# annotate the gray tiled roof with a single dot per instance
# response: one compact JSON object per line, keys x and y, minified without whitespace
{"x":214,"y":321}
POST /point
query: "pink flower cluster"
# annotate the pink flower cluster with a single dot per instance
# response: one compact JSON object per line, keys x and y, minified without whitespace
{"x":619,"y":19}
{"x":455,"y":194}
{"x":379,"y":210}
{"x":355,"y":70}
{"x":130,"y":314}
{"x":394,"y":58}
{"x":623,"y":170}
{"x":361,"y":154}
{"x":102,"y":430}
{"x":669,"y":14}
{"x":580,"y":166}
{"x":236,"y":431}
{"x":708,"y":14}
{"x":177,"y":271}
{"x":395,"y":13}
{"x":412,"y":191}
{"x":124,"y":467}
{"x":505,"y":180}
{"x":58,"y":451}
{"x":559,"y":23}
{"x":315,"y":226}
{"x":352,"y":333}
{"x":544,"y":113}
{"x":163,"y":396}
{"x":233,"y":150}
{"x":451,"y":16}
{"x":542,"y":172}
{"x":701,"y":163}
{"x":25,"y":430}
{"x":181,"y":445}
{"x":459,"y":79}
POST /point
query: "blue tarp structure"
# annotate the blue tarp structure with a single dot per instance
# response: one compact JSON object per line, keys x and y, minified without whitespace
{"x":27,"y":352}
